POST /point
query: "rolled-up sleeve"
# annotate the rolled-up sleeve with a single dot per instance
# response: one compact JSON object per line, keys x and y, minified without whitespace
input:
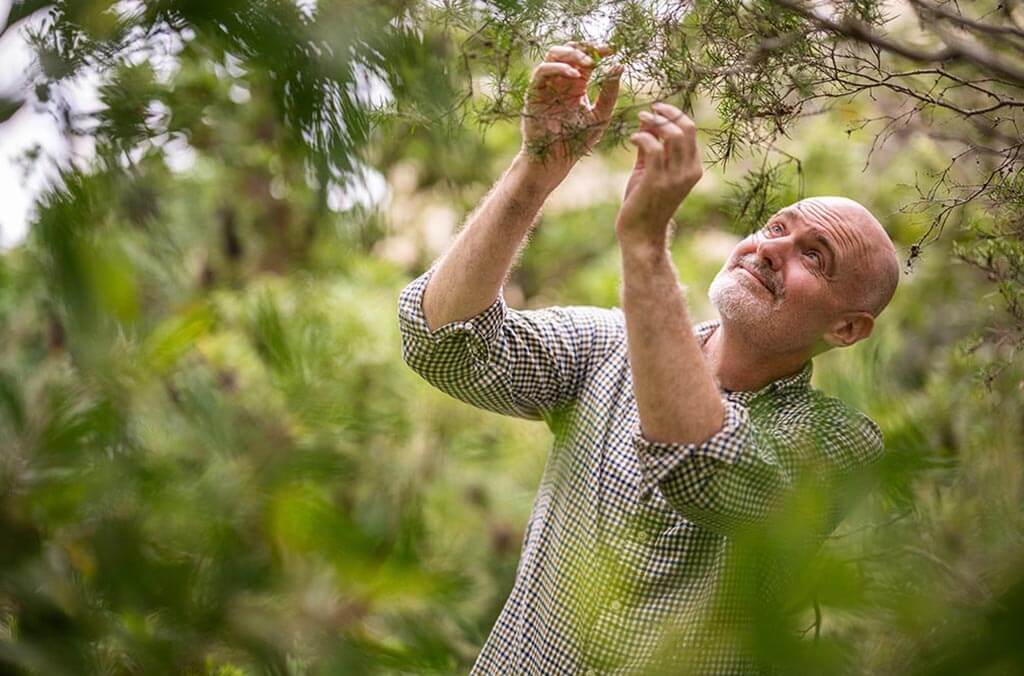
{"x":739,"y":476}
{"x":524,"y":363}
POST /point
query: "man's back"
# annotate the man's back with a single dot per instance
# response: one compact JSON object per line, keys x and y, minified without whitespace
{"x":629,"y":553}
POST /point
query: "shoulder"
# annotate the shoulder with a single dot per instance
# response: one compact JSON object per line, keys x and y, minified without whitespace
{"x":847,"y":435}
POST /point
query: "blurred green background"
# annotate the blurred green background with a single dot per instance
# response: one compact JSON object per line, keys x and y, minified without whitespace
{"x":213,"y":460}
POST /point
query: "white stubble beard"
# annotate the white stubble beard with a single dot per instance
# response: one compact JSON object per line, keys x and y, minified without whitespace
{"x":737,"y":304}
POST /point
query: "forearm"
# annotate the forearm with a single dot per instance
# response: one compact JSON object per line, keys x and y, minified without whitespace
{"x":472,"y":271}
{"x":676,"y":394}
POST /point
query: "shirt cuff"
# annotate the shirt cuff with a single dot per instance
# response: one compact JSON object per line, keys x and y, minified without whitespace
{"x":481,"y":330}
{"x":693,"y":462}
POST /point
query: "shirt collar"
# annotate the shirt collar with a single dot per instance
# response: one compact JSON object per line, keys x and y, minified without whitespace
{"x":799,"y":380}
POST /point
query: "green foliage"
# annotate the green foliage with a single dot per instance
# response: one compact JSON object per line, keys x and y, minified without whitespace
{"x":213,"y":459}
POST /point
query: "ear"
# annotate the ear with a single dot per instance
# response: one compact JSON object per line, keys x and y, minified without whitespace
{"x":849,"y":329}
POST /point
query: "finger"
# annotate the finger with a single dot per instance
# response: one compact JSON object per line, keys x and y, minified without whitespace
{"x":670,"y":111}
{"x":688,"y":147}
{"x":673,"y":138}
{"x":609,"y":93}
{"x":650,"y":148}
{"x":592,"y":49}
{"x":681,"y":120}
{"x":547,"y":76}
{"x":660,"y":126}
{"x":570,"y":55}
{"x":554,"y":69}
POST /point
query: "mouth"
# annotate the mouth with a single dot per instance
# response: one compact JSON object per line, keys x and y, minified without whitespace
{"x":755,"y":274}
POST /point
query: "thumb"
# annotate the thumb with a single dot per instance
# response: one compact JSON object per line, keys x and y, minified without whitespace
{"x":638,"y":164}
{"x":638,"y":170}
{"x":605,"y":103}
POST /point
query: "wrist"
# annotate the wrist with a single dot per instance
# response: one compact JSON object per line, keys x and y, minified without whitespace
{"x":641,"y":244}
{"x":539,"y":172}
{"x":644,"y":253}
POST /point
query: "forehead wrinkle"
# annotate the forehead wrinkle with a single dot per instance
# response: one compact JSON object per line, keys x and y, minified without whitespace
{"x":847,"y":239}
{"x":837,"y":241}
{"x":873,"y":274}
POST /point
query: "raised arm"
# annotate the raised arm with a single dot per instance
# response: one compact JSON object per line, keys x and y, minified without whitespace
{"x":457,"y":332}
{"x":559,"y":125}
{"x":676,"y":393}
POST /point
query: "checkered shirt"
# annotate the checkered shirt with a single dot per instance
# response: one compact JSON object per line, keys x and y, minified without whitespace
{"x":628,"y":556}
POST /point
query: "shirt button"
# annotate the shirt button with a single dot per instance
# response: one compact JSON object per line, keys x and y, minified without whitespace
{"x":616,"y":605}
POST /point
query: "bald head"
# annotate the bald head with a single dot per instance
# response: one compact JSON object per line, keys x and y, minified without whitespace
{"x":874,"y":267}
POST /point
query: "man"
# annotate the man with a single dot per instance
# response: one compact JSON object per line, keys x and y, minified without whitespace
{"x":670,"y":441}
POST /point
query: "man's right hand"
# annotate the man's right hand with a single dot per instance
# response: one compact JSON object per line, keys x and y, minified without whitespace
{"x":559,"y":123}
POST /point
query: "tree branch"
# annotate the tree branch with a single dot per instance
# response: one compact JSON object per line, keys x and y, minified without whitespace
{"x":954,"y":48}
{"x":967,"y":22}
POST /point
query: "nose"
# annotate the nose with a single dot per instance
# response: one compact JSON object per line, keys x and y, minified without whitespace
{"x":772,"y":250}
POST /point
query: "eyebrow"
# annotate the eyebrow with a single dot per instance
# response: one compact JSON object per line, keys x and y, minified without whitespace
{"x":786,"y":216}
{"x":827,"y":244}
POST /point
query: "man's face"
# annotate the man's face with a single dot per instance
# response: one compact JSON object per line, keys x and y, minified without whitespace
{"x":791,"y":281}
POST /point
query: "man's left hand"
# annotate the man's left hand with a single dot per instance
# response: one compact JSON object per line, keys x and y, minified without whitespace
{"x":667,"y":167}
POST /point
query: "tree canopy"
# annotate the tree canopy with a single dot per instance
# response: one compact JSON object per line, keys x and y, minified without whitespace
{"x":213,"y":459}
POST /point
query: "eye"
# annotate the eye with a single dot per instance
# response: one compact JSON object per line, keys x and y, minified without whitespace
{"x":818,"y":260}
{"x":774,"y":228}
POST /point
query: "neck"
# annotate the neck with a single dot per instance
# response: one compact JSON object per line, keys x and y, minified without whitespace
{"x":740,"y":364}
